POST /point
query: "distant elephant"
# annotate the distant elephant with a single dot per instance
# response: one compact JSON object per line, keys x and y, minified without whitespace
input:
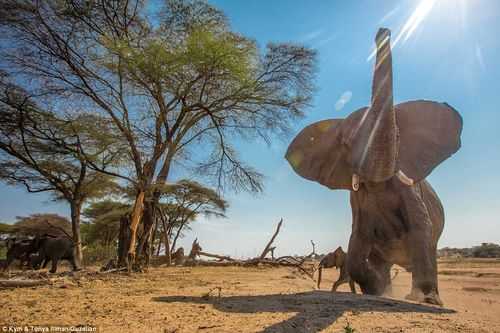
{"x":336,"y":259}
{"x":382,"y":154}
{"x":20,"y":250}
{"x":36,"y":261}
{"x":178,"y":257}
{"x":54,"y":249}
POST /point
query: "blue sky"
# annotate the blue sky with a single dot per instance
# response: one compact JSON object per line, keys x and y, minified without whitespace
{"x":451,"y":55}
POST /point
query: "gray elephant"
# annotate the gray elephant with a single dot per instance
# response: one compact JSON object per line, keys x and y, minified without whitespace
{"x":178,"y":257}
{"x":382,"y":154}
{"x":36,"y":261}
{"x":54,"y":249}
{"x":20,"y":250}
{"x":336,"y":259}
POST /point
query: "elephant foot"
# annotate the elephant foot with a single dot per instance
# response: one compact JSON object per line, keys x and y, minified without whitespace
{"x":433,"y":298}
{"x":430,"y":298}
{"x":387,"y":291}
{"x":415,"y":295}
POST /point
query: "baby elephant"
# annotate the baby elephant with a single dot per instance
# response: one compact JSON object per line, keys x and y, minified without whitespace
{"x":20,"y":250}
{"x":336,"y":259}
{"x":54,"y":249}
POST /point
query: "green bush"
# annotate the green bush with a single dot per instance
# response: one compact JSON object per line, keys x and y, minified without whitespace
{"x":487,"y":250}
{"x":98,"y":254}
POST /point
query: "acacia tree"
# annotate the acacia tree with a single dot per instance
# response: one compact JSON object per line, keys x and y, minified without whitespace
{"x":42,"y":224}
{"x":181,"y":86}
{"x":182,"y":203}
{"x":44,"y":153}
{"x":104,"y":220}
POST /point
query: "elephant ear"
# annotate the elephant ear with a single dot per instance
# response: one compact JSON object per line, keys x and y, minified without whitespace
{"x":319,"y":153}
{"x":429,"y":133}
{"x":339,"y":257}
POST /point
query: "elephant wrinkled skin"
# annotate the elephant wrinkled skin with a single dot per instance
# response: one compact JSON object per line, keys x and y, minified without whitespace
{"x":382,"y":154}
{"x":54,"y":249}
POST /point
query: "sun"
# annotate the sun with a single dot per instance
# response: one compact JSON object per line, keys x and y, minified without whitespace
{"x":418,"y":15}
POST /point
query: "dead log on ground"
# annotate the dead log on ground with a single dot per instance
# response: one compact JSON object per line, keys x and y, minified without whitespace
{"x":216,"y":256}
{"x":284,"y":261}
{"x":22,"y":283}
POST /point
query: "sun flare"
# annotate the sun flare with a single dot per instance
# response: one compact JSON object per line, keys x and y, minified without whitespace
{"x":418,"y":15}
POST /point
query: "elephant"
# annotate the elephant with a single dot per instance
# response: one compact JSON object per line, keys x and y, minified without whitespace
{"x":20,"y":250}
{"x":382,"y":155}
{"x":54,"y":249}
{"x":178,"y":257}
{"x":336,"y":259}
{"x":36,"y":261}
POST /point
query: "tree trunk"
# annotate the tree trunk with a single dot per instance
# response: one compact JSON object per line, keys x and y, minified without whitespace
{"x":166,"y":237}
{"x":268,"y":246}
{"x":168,"y":253}
{"x":123,"y":241}
{"x":158,"y":249}
{"x":153,"y":237}
{"x":76,"y":207}
{"x":177,"y":236}
{"x":135,"y":218}
{"x":143,"y":249}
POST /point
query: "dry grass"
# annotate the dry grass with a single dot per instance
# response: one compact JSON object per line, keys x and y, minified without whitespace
{"x":255,"y":299}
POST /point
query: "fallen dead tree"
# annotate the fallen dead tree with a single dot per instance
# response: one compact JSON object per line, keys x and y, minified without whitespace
{"x":216,"y":256}
{"x":284,"y":261}
{"x":16,"y":283}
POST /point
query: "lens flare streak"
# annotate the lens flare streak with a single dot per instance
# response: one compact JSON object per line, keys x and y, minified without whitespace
{"x":417,"y":17}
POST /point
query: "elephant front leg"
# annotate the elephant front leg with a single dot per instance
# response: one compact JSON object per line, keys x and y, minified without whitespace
{"x":53,"y":269}
{"x":352,"y":286}
{"x":337,"y":284}
{"x":421,"y":248}
{"x":360,"y":269}
{"x":383,"y":269}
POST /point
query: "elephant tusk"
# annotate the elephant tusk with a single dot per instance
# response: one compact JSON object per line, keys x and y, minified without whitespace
{"x":404,"y":178}
{"x":355,"y":182}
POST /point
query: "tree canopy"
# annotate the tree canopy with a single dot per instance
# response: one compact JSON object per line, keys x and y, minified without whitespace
{"x":179,"y":87}
{"x":104,"y":221}
{"x":42,"y":224}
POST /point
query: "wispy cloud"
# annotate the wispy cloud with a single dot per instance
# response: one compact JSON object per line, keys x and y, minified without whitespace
{"x":343,"y":100}
{"x":310,"y":36}
{"x":389,"y":15}
{"x":479,"y":57}
{"x":317,"y":38}
{"x":324,"y":41}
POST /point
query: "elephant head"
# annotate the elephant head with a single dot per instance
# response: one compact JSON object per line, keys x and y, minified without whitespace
{"x":375,"y":143}
{"x":333,"y":259}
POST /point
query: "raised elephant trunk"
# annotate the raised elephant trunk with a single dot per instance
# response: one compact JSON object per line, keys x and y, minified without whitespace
{"x":320,"y":272}
{"x":375,"y":142}
{"x":328,"y":261}
{"x":322,"y":264}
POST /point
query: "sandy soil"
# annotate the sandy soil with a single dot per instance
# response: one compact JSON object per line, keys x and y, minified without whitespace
{"x":255,"y":299}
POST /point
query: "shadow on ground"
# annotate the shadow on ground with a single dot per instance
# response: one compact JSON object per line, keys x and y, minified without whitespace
{"x":315,"y":310}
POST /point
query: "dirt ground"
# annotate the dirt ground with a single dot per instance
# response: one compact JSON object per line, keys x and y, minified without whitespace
{"x":257,"y":299}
